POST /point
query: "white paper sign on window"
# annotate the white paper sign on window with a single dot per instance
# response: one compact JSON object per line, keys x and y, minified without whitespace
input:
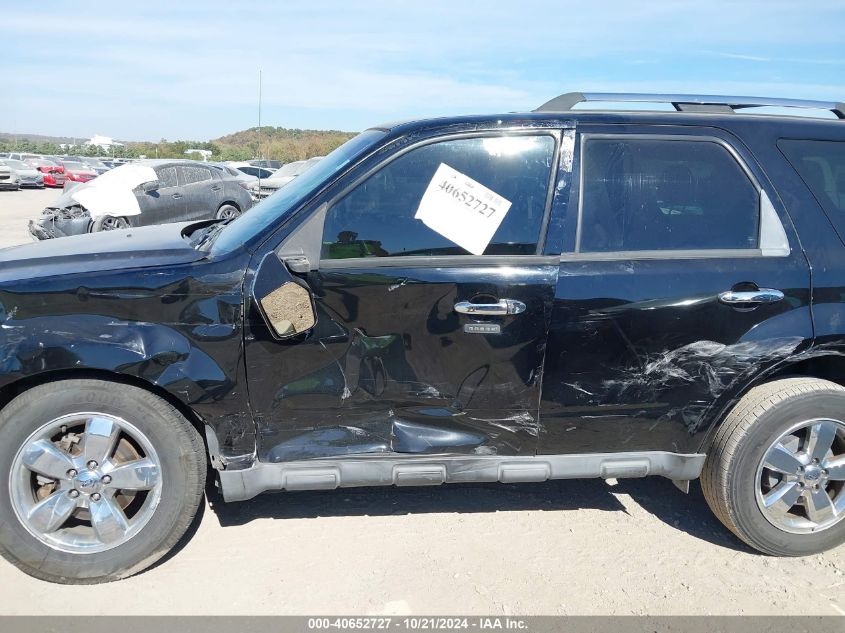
{"x":461,"y":209}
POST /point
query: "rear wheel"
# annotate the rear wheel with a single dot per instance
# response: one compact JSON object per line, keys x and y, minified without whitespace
{"x":775,"y":475}
{"x":103,"y":480}
{"x":228,"y":211}
{"x":109,"y":223}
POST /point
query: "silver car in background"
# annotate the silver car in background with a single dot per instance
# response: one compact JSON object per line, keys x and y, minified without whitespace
{"x":283,"y":176}
{"x":9,"y":178}
{"x":27,"y":174}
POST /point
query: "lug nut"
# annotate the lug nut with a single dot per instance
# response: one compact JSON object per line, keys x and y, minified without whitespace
{"x":92,"y":464}
{"x":106,"y":479}
{"x":72,"y":473}
{"x":95,"y":496}
{"x":74,"y":494}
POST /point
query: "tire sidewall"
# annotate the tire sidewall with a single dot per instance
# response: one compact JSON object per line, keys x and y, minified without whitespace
{"x":743,"y":475}
{"x":152,"y":417}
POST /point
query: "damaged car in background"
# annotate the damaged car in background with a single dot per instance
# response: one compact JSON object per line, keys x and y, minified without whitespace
{"x":143,"y":194}
{"x":564,"y":293}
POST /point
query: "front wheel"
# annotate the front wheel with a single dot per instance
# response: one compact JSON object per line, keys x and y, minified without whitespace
{"x":103,"y":480}
{"x":775,"y":474}
{"x":227,"y":212}
{"x":109,"y":223}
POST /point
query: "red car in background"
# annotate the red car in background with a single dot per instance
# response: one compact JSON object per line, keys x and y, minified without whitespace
{"x":54,"y":174}
{"x":78,"y":172}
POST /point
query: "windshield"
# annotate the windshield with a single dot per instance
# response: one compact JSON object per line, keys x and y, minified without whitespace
{"x":291,"y":169}
{"x":272,"y":210}
{"x":16,"y":164}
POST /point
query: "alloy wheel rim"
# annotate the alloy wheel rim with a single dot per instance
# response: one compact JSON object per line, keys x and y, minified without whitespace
{"x":85,"y":482}
{"x":800,"y":484}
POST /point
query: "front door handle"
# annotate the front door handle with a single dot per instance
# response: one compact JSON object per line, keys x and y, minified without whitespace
{"x":176,"y":196}
{"x":750,"y":298}
{"x":500,"y":308}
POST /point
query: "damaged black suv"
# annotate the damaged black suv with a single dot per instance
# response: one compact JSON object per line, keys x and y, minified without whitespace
{"x":516,"y":298}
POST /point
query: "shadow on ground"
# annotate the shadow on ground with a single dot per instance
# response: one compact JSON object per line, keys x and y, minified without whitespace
{"x":657,"y":496}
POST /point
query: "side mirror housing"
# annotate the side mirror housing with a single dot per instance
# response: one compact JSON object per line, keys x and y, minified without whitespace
{"x":284,"y":302}
{"x":149,"y":187}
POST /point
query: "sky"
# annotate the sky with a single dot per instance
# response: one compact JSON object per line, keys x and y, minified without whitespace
{"x":186,"y":69}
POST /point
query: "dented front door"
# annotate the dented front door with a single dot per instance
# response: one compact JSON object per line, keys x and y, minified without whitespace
{"x":419,"y":345}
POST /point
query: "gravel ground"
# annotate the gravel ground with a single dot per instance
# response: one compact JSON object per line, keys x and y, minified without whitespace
{"x":565,"y":547}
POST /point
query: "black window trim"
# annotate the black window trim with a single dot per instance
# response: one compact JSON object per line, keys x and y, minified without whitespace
{"x":772,"y":239}
{"x":413,"y":261}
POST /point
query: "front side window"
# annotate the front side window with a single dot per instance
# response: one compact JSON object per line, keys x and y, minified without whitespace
{"x":381,"y":216}
{"x":651,"y":194}
{"x":166,"y":177}
{"x":821,"y":165}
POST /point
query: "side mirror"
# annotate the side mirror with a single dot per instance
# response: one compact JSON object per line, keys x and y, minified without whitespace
{"x":283,"y":301}
{"x":149,"y":187}
{"x":288,"y":310}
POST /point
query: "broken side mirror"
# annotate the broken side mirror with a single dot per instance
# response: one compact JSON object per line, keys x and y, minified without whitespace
{"x":284,"y":302}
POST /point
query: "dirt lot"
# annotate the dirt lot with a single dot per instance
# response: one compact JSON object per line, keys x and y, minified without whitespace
{"x":567,"y":547}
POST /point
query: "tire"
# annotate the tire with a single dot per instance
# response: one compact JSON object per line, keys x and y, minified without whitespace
{"x":159,"y":503}
{"x":109,"y":223}
{"x":227,"y":211}
{"x":773,"y":424}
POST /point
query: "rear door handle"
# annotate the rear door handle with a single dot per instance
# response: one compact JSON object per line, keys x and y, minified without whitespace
{"x":750,"y":298}
{"x":500,"y":308}
{"x":176,"y":196}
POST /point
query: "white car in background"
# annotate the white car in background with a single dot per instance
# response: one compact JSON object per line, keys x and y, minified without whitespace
{"x":251,"y":170}
{"x":9,"y":178}
{"x":27,"y":174}
{"x":283,"y":176}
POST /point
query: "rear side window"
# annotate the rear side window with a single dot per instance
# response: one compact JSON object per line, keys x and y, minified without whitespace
{"x":166,"y":176}
{"x":377,"y":218}
{"x":821,"y":164}
{"x":654,"y":194}
{"x":196,"y":174}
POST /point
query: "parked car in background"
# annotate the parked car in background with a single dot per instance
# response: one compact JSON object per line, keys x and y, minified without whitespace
{"x":78,"y":172}
{"x":244,"y":180}
{"x":142,"y":194}
{"x":20,"y":156}
{"x":251,"y":170}
{"x":8,"y":178}
{"x":53,"y":172}
{"x":29,"y":176}
{"x":266,"y":164}
{"x":283,"y":176}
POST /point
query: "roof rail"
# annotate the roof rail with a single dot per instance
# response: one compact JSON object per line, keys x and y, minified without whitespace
{"x":688,"y":103}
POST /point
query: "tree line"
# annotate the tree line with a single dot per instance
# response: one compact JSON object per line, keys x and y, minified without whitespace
{"x":282,"y":144}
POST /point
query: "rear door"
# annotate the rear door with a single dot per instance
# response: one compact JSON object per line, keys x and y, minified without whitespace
{"x":681,"y":279}
{"x":420,"y":345}
{"x":203,"y":192}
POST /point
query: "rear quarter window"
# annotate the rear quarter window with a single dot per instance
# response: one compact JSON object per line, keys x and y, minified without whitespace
{"x":821,"y":165}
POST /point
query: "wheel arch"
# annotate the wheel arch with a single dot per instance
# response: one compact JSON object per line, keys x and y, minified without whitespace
{"x":10,"y":391}
{"x":826,"y":364}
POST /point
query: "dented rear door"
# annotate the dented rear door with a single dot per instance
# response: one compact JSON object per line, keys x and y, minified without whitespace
{"x":421,"y":346}
{"x":682,"y":279}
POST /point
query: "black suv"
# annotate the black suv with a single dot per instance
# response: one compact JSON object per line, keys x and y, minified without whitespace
{"x":515,"y":298}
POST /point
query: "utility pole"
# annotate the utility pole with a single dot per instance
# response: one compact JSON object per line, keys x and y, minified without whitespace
{"x":260,"y":155}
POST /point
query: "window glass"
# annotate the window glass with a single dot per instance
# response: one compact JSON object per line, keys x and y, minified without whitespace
{"x":821,"y":164}
{"x":195,"y":174}
{"x":166,"y":177}
{"x":643,"y":194}
{"x":377,"y":218}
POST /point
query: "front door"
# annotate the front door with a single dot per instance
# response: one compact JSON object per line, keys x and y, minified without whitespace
{"x":433,"y":303}
{"x":683,"y":278}
{"x":165,"y":204}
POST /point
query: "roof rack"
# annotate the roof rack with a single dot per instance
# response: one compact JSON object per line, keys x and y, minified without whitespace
{"x":688,"y":103}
